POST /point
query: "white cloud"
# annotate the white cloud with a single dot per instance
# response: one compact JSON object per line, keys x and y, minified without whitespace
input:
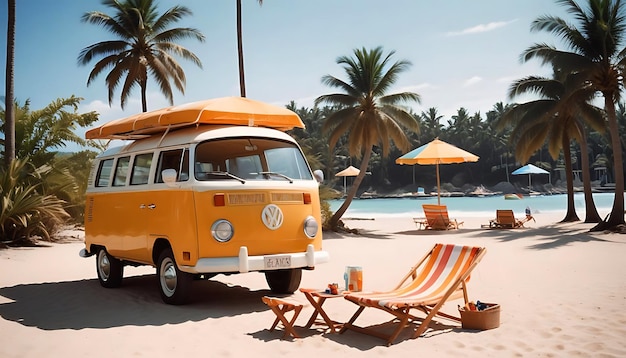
{"x":480,"y":28}
{"x":306,"y":102}
{"x":96,"y":105}
{"x":508,"y":79}
{"x":472,"y":81}
{"x":106,"y":113}
{"x":414,"y":88}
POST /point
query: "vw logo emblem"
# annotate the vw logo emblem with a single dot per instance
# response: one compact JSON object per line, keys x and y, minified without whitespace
{"x":272,"y":217}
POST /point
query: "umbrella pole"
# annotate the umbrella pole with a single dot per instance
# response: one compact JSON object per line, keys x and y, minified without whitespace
{"x":438,"y":189}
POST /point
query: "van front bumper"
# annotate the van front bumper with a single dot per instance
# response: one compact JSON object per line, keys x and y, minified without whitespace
{"x":244,"y":263}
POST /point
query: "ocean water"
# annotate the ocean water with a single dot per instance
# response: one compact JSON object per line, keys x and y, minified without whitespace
{"x":472,"y":206}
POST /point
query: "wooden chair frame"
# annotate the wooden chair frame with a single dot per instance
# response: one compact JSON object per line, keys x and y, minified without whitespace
{"x":437,"y":218}
{"x":280,"y":306}
{"x":411,"y":293}
{"x":505,"y":219}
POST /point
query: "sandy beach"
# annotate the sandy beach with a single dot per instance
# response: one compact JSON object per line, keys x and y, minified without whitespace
{"x":561,"y":291}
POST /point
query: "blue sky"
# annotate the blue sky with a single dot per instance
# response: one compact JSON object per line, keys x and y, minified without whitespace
{"x":463,"y":53}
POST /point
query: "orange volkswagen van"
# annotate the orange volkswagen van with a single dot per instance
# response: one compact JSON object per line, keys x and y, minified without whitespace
{"x":204,"y":188}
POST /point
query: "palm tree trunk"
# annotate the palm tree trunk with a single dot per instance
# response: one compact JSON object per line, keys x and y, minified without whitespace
{"x":9,"y":123}
{"x":144,"y":99}
{"x":334,"y":220}
{"x":591,"y":213}
{"x":242,"y":81}
{"x":570,"y":215}
{"x":617,"y":212}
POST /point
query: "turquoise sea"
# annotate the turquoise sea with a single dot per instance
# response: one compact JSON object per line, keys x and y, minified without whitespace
{"x":472,"y":206}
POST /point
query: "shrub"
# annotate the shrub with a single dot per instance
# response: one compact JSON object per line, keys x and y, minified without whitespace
{"x":27,"y":211}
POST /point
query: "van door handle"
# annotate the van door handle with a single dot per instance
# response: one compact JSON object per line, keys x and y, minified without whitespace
{"x":151,"y":206}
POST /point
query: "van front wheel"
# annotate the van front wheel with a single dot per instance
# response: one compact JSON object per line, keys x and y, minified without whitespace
{"x":110,"y":270}
{"x":174,"y":285}
{"x":284,"y":281}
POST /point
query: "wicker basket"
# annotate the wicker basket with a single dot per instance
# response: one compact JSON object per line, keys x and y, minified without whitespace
{"x":488,"y":318}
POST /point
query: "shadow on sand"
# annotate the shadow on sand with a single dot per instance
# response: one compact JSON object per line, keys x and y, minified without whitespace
{"x":545,"y":237}
{"x":360,"y":341}
{"x":548,"y":237}
{"x":85,"y":304}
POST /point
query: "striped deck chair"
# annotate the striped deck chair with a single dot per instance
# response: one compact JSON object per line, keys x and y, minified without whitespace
{"x":441,"y":275}
{"x":437,"y":218}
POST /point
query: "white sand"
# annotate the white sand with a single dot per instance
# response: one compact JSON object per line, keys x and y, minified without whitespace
{"x":561,"y":289}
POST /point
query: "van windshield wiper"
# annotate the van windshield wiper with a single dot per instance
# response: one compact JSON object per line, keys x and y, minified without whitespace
{"x":227,"y":174}
{"x":278,"y":175}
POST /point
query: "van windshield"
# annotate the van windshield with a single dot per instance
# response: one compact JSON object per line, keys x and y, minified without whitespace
{"x":250,"y":159}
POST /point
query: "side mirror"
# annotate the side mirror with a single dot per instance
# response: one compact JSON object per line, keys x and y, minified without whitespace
{"x":319,"y":175}
{"x":169,"y":177}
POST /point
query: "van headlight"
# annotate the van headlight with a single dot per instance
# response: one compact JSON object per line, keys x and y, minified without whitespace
{"x":310,"y":227}
{"x":222,"y":230}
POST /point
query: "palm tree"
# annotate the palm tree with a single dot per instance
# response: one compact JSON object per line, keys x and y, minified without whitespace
{"x":495,"y":144}
{"x":9,"y":124}
{"x":365,"y":113}
{"x":432,"y":124}
{"x":242,"y":80}
{"x":596,"y":54}
{"x":555,"y":117}
{"x":457,"y":126}
{"x":39,"y":133}
{"x":144,"y":45}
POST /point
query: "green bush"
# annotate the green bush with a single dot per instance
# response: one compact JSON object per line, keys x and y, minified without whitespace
{"x":73,"y":168}
{"x":27,"y":210}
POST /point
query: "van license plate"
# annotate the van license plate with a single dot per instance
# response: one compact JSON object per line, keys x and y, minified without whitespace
{"x":275,"y":262}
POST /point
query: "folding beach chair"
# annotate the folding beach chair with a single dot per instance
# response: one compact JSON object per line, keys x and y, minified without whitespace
{"x":437,"y":218}
{"x":280,"y":306}
{"x":441,"y":275}
{"x":505,"y":219}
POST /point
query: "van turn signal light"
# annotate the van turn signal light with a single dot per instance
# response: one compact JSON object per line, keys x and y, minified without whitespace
{"x":219,"y":200}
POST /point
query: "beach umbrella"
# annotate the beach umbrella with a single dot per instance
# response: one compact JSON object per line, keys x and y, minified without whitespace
{"x":348,"y":172}
{"x":530,"y":170}
{"x":437,"y":152}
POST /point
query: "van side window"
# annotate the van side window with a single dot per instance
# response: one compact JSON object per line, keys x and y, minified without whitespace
{"x":121,"y":171}
{"x":178,"y":160}
{"x":104,"y":173}
{"x":141,"y":169}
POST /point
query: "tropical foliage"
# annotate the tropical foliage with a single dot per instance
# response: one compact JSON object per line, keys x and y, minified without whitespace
{"x":144,"y":45}
{"x":557,"y":117}
{"x":27,"y":210}
{"x":40,"y":132}
{"x":595,"y":53}
{"x":42,"y":189}
{"x":365,"y":112}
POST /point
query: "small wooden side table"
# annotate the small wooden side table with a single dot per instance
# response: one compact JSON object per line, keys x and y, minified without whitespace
{"x":317,"y":299}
